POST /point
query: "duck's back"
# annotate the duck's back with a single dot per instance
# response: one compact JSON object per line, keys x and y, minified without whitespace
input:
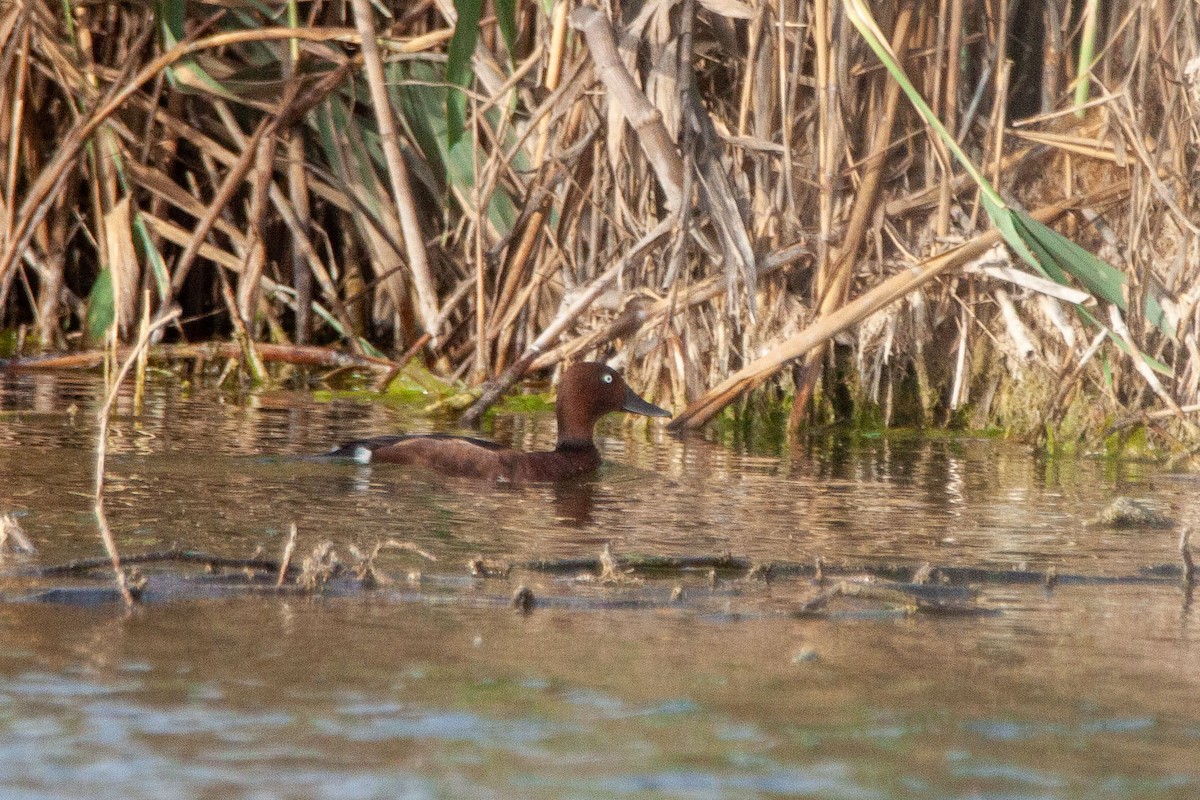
{"x":468,"y":457}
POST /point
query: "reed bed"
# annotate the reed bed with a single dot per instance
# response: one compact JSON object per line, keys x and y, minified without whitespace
{"x":729,"y":199}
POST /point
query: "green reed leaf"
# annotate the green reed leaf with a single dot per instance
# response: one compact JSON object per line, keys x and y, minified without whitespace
{"x":458,"y":67}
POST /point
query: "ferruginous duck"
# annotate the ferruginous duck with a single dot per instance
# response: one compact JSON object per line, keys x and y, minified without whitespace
{"x":586,"y":392}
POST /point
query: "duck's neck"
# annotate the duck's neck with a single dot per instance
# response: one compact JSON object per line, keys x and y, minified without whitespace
{"x":574,"y":431}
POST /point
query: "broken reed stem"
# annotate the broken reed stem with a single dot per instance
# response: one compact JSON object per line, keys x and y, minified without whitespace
{"x":288,"y":550}
{"x":102,"y":417}
{"x":1185,"y":552}
{"x":645,"y":119}
{"x":139,"y":379}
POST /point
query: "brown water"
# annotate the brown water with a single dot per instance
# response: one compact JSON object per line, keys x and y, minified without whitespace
{"x":438,"y":688}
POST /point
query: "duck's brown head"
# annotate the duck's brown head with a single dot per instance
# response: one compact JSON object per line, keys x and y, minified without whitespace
{"x":588,"y":391}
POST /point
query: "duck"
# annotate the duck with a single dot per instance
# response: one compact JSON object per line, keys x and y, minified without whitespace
{"x":586,"y":392}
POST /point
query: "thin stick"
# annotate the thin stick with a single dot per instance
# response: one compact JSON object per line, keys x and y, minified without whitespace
{"x":110,"y":544}
{"x":386,"y":381}
{"x":1185,"y":551}
{"x":139,"y":378}
{"x":286,"y":561}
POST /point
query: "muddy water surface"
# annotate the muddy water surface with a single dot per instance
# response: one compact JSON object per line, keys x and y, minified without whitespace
{"x":437,"y":688}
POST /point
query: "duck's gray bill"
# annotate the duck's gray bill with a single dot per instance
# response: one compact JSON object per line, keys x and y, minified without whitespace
{"x":636,"y":405}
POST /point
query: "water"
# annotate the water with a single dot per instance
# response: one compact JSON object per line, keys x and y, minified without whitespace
{"x":437,"y":688}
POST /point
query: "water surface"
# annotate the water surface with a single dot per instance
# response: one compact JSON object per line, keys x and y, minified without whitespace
{"x":435,"y":687}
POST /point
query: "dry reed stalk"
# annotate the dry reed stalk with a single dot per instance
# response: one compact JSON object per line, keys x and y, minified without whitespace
{"x":414,"y":240}
{"x":843,"y":259}
{"x":241,"y":333}
{"x":249,"y":281}
{"x":16,"y":123}
{"x":787,"y":86}
{"x":826,"y":150}
{"x":139,"y":378}
{"x":949,"y":113}
{"x":645,"y":119}
{"x":298,"y":198}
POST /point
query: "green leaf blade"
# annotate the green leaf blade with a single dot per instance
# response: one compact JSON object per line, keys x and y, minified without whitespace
{"x":458,"y":66}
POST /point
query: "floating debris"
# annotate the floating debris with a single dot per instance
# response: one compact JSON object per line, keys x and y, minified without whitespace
{"x":610,"y":570}
{"x":760,"y":572}
{"x":910,"y":598}
{"x":484,"y":568}
{"x":523,"y":599}
{"x":13,"y":538}
{"x":319,"y":567}
{"x":806,"y":654}
{"x":1185,"y":552}
{"x":286,"y":561}
{"x":1126,"y":512}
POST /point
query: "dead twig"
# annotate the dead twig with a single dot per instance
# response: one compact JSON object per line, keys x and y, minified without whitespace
{"x":1185,"y":552}
{"x":288,"y":550}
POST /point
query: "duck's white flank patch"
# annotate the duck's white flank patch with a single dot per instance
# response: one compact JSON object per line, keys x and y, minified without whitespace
{"x":362,"y":454}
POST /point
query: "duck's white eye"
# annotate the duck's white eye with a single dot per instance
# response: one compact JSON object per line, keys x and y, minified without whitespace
{"x":606,"y":378}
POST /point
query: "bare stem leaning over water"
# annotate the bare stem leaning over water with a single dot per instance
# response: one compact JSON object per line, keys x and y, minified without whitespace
{"x":110,"y":544}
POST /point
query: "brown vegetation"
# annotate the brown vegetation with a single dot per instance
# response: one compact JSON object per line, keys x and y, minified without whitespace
{"x":695,"y":189}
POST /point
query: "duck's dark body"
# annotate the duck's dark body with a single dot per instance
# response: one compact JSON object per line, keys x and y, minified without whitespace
{"x":468,"y":457}
{"x":585,"y":393}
